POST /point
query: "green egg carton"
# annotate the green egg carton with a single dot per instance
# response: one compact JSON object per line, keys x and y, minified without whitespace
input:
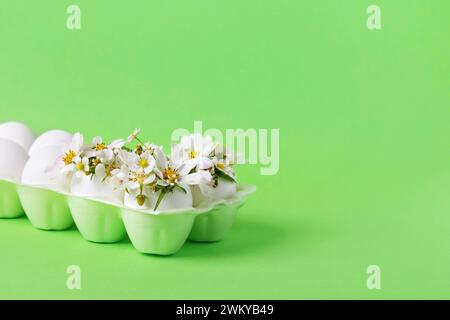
{"x":10,"y":206}
{"x":213,"y":225}
{"x":46,"y":209}
{"x":98,"y":220}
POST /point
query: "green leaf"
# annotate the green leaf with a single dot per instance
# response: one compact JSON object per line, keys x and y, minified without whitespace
{"x":160,"y":197}
{"x":224,"y":175}
{"x":184,"y":190}
{"x":159,"y":187}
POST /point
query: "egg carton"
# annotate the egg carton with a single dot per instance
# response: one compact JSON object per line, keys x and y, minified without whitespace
{"x":50,"y":206}
{"x":150,"y":232}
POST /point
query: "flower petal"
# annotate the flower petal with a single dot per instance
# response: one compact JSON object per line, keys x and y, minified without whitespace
{"x":187,"y":167}
{"x":117,"y":144}
{"x":100,"y":171}
{"x":97,"y":140}
{"x":205,"y":163}
{"x":77,"y":142}
{"x":195,"y":178}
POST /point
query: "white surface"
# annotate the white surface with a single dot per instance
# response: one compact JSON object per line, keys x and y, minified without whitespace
{"x":176,"y":199}
{"x":12,"y":160}
{"x":18,"y":133}
{"x":93,"y":187}
{"x":42,"y":170}
{"x":131,"y":202}
{"x":225,"y":189}
{"x":53,"y":138}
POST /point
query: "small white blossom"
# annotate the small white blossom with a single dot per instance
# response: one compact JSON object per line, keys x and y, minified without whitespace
{"x":176,"y":169}
{"x":198,"y":149}
{"x":75,"y":149}
{"x":134,"y":135}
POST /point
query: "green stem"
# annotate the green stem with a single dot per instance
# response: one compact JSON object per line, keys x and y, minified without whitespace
{"x":160,"y":197}
{"x":140,"y":141}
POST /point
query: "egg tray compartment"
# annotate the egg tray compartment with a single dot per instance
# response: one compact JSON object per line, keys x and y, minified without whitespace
{"x":162,"y":233}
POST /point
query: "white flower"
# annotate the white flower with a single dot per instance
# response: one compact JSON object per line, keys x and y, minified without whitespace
{"x":74,"y":150}
{"x":222,"y":152}
{"x":224,"y":160}
{"x":144,"y":162}
{"x":225,"y":165}
{"x":137,"y":168}
{"x":198,"y":149}
{"x":176,"y":169}
{"x":119,"y":177}
{"x":117,"y":144}
{"x":138,"y":179}
{"x":134,"y":135}
{"x":82,"y":166}
{"x":104,"y":156}
{"x":104,"y":152}
{"x":151,"y":148}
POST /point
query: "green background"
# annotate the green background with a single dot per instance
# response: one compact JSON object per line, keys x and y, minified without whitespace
{"x":364,"y":140}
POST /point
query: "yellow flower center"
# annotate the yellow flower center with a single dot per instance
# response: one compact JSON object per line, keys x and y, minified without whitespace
{"x":192,"y":154}
{"x":143,"y":163}
{"x":100,"y":146}
{"x":80,"y":166}
{"x":171,"y":175}
{"x":220,"y":165}
{"x":139,"y":177}
{"x":68,"y":157}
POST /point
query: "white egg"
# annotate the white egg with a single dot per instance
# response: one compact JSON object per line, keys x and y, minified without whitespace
{"x":42,"y":169}
{"x":176,"y":199}
{"x":198,"y":197}
{"x":53,"y":138}
{"x":131,"y":202}
{"x":12,"y":160}
{"x":225,"y":189}
{"x":18,"y":133}
{"x":93,"y":187}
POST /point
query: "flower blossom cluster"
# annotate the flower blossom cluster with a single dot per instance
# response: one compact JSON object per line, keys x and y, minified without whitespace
{"x":141,"y":169}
